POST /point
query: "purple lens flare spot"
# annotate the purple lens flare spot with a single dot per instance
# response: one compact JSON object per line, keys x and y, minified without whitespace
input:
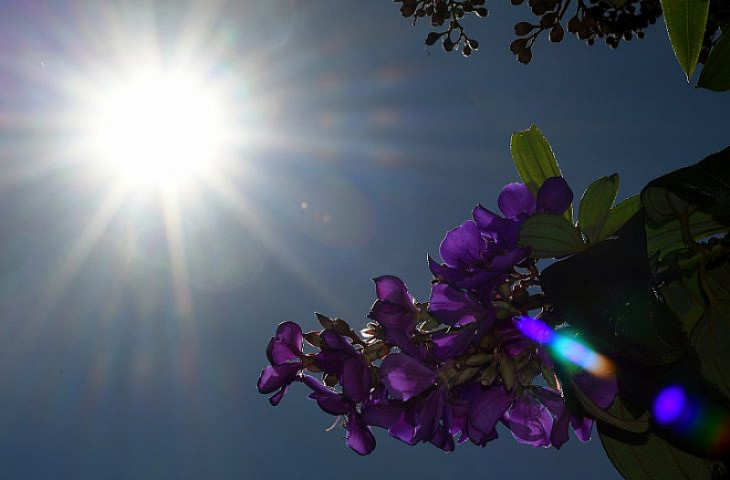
{"x":670,"y":404}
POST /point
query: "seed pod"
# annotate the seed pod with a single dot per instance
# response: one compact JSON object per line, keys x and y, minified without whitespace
{"x":548,"y":20}
{"x":473,"y":44}
{"x":574,"y":24}
{"x":523,"y":28}
{"x":330,"y":380}
{"x":482,"y":12}
{"x":433,"y":38}
{"x":556,"y":35}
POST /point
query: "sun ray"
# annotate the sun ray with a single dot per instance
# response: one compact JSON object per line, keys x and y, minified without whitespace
{"x":293,"y":264}
{"x":62,"y":275}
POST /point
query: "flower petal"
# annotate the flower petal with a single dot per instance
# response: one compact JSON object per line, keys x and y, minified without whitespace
{"x":404,"y":376}
{"x":355,"y":379}
{"x":530,"y":421}
{"x":286,"y":345}
{"x":454,"y":307}
{"x":450,"y":345}
{"x":359,"y":436}
{"x":274,"y":377}
{"x":516,"y":201}
{"x":389,"y":288}
{"x":393,"y":316}
{"x":462,"y":246}
{"x":486,"y":407}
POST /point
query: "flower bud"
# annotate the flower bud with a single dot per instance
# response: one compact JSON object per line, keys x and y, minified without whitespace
{"x":507,"y":372}
{"x":464,"y":376}
{"x":478,"y":359}
{"x":325,"y":321}
{"x":313,"y":339}
{"x":489,"y":374}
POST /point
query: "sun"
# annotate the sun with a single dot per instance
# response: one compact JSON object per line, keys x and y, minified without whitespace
{"x":155,"y":126}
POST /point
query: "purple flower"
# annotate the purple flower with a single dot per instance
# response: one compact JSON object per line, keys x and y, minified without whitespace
{"x":395,"y":311}
{"x":418,"y":420}
{"x":455,"y":307}
{"x":446,"y":346}
{"x":486,"y":406}
{"x":338,"y":357}
{"x":359,"y":436}
{"x":530,"y":421}
{"x":601,"y":390}
{"x":467,"y":260}
{"x":284,"y":352}
{"x":286,"y":345}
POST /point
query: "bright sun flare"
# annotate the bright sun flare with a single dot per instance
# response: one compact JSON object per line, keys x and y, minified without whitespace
{"x":153,"y":126}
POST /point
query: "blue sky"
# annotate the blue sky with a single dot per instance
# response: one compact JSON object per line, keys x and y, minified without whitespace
{"x":365,"y":148}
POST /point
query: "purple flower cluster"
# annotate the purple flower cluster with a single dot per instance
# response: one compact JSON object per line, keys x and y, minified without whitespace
{"x":449,"y":370}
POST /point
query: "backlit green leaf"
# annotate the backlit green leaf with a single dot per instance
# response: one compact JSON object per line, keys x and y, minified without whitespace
{"x":619,"y":215}
{"x":550,"y":236}
{"x":595,"y":205}
{"x":685,"y":20}
{"x":535,"y":160}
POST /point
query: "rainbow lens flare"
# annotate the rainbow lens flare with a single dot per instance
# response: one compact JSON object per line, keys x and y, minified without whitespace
{"x":704,"y":422}
{"x":565,"y":347}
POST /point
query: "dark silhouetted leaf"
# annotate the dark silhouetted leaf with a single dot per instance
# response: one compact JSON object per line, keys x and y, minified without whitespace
{"x":648,"y":456}
{"x":628,"y":321}
{"x":711,"y":336}
{"x":704,"y":186}
{"x":668,"y":238}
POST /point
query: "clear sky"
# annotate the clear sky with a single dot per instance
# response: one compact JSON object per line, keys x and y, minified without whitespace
{"x":133,"y":325}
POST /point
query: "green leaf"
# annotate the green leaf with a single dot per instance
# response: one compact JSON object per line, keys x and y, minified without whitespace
{"x":595,"y":205}
{"x":550,"y":236}
{"x":715,"y":74}
{"x":686,"y":20}
{"x":619,"y":215}
{"x":648,"y":456}
{"x":535,"y":160}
